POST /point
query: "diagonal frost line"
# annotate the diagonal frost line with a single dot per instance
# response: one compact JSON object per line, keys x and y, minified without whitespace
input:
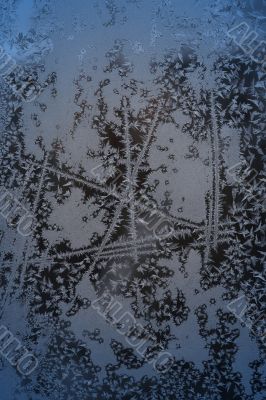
{"x":27,"y":178}
{"x":133,"y":231}
{"x":131,"y":248}
{"x":124,"y":252}
{"x":212,"y":226}
{"x":35,"y":206}
{"x":186,"y":222}
{"x":109,"y":232}
{"x":107,"y":236}
{"x":146,"y":144}
{"x":120,"y":255}
{"x":142,"y":249}
{"x":79,"y":180}
{"x":133,"y":227}
{"x":127,"y":139}
{"x":216,"y":188}
{"x":182,"y":221}
{"x":123,"y":245}
{"x":82,"y":181}
{"x":201,"y":244}
{"x":135,"y":172}
{"x":208,"y":231}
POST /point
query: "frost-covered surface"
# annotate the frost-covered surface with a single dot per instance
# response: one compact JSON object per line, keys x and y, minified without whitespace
{"x":138,"y":104}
